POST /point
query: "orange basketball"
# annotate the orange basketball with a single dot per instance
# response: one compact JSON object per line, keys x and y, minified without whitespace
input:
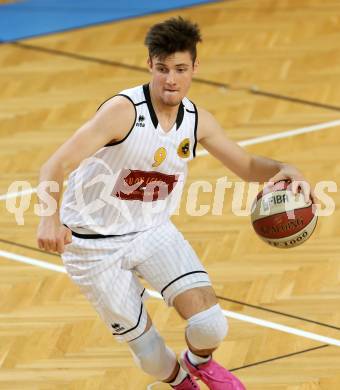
{"x":282,"y":219}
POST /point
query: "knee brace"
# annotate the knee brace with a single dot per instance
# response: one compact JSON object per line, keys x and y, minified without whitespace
{"x":152,"y":355}
{"x":207,"y":329}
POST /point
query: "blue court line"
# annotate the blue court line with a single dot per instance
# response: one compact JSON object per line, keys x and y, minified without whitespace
{"x":31,"y":18}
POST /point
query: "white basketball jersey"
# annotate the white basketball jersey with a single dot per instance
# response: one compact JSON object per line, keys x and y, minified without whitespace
{"x":133,"y":184}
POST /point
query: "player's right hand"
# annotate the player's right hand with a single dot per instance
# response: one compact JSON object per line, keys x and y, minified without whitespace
{"x":52,"y":236}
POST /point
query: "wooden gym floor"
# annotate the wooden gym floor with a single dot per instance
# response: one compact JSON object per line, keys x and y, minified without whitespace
{"x":265,"y":67}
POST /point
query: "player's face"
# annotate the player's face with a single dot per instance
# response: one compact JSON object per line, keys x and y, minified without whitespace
{"x":171,"y":77}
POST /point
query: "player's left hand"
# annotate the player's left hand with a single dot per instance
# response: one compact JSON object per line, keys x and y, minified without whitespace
{"x":298,"y":182}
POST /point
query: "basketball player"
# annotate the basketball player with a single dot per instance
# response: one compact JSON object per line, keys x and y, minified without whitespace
{"x":127,"y":164}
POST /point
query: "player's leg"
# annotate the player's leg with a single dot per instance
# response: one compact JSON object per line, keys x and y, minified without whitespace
{"x":95,"y":265}
{"x":99,"y":268}
{"x":155,"y":358}
{"x":206,"y":329}
{"x":173,"y":269}
{"x":207,"y":326}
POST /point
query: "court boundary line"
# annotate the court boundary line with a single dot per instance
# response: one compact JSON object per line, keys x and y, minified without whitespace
{"x":255,"y":307}
{"x":31,"y":261}
{"x":32,"y":248}
{"x":230,"y":314}
{"x":248,"y":142}
{"x":281,"y":135}
{"x":154,"y":294}
{"x":253,"y":90}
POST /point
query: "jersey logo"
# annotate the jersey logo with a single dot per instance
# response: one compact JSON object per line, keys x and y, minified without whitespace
{"x":159,"y":157}
{"x":184,"y":148}
{"x":117,"y":327}
{"x":141,"y":120}
{"x":144,"y":186}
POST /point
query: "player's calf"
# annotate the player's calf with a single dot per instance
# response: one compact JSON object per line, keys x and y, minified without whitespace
{"x":152,"y":355}
{"x":156,"y":359}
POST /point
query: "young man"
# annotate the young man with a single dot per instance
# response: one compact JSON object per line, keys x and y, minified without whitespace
{"x":128,"y":162}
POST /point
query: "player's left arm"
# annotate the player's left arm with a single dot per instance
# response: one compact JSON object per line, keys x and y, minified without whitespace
{"x":249,"y":167}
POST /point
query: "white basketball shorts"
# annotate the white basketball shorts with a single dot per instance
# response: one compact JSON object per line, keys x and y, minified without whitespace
{"x":106,"y":271}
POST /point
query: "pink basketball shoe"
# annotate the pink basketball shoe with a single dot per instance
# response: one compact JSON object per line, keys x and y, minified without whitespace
{"x":213,"y":375}
{"x":189,"y":383}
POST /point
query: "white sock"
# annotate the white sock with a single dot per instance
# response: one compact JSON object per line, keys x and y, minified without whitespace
{"x":179,"y":378}
{"x":196,"y":360}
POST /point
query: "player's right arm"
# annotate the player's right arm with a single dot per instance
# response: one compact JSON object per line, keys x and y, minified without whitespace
{"x":112,"y":122}
{"x":249,"y":167}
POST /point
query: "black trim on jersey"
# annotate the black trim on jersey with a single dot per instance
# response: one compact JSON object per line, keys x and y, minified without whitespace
{"x":139,"y":317}
{"x":195,"y":130}
{"x":87,"y":236}
{"x":105,"y":102}
{"x":191,"y":112}
{"x":95,"y":236}
{"x":180,"y":277}
{"x":146,"y":90}
{"x":134,"y":122}
{"x":138,"y":104}
{"x":119,"y":94}
{"x":180,"y":116}
{"x":134,"y":106}
{"x":180,"y":113}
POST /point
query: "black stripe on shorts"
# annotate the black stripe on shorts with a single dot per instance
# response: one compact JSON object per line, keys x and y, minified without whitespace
{"x":180,"y":277}
{"x":139,"y":318}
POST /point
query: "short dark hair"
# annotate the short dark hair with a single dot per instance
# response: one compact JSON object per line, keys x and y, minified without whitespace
{"x":172,"y":35}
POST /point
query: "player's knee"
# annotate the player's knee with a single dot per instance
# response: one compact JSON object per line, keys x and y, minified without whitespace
{"x":207,"y":329}
{"x":152,"y":355}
